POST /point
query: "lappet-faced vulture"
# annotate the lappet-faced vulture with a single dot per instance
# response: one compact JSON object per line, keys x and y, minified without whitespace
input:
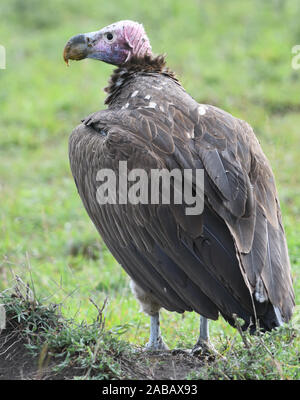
{"x":230,"y":259}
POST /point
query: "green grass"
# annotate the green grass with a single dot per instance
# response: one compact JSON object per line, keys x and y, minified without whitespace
{"x":236,"y":55}
{"x":55,"y":347}
{"x":58,"y":346}
{"x":269,"y":356}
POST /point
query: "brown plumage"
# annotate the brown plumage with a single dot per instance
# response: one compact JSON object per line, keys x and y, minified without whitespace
{"x":233,"y":258}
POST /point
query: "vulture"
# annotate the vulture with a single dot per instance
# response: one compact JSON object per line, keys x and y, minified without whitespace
{"x":229,"y":257}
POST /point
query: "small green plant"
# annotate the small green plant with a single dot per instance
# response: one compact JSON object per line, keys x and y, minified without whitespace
{"x":262,"y":356}
{"x":88,"y":349}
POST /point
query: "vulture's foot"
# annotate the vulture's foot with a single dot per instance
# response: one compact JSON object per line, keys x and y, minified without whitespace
{"x":156,"y":345}
{"x":204,"y":348}
{"x":155,"y":341}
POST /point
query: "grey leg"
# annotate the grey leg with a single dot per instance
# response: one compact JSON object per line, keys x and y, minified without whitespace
{"x":204,"y":330}
{"x":203,"y":340}
{"x":203,"y":345}
{"x":155,"y":341}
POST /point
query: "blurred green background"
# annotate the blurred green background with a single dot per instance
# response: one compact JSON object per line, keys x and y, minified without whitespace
{"x":234,"y":54}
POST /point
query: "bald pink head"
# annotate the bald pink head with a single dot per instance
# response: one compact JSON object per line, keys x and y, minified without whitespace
{"x":114,"y":44}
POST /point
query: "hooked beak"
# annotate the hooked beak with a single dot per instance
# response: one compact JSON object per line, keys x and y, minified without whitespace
{"x":79,"y":46}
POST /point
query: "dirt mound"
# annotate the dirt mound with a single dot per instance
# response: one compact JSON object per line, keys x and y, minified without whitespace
{"x":17,"y":363}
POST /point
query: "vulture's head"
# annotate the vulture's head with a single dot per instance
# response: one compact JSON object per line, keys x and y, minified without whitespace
{"x":115,"y":44}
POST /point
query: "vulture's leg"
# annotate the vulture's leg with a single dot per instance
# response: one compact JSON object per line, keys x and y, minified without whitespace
{"x":203,"y":345}
{"x":204,"y":329}
{"x":150,"y":307}
{"x":204,"y":333}
{"x":155,"y":341}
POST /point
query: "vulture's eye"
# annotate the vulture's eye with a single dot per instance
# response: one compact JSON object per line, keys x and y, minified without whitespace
{"x":109,"y":36}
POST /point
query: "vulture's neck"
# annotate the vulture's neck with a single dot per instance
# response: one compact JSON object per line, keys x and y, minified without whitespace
{"x":125,"y":73}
